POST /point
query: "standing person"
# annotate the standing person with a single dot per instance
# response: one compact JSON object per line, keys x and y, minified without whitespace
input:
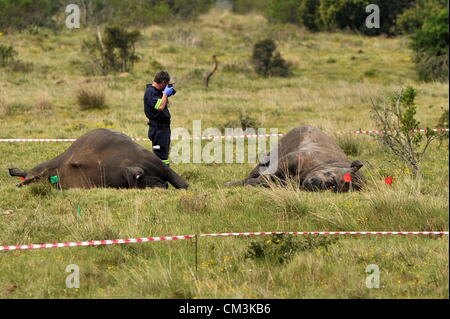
{"x":156,"y":102}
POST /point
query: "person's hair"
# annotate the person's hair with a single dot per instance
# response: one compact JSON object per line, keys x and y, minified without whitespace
{"x":162,"y":76}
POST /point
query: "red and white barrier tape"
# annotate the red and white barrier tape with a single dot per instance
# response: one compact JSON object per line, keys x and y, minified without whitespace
{"x":391,"y":131}
{"x":205,"y":137}
{"x":151,"y":239}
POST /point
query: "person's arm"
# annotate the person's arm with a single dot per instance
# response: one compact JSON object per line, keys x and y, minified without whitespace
{"x":162,"y":103}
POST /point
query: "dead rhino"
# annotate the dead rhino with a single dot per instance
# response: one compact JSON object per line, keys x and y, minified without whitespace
{"x":103,"y":158}
{"x":310,"y":158}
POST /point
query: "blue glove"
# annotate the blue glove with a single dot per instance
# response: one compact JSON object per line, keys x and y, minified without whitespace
{"x":168,"y":91}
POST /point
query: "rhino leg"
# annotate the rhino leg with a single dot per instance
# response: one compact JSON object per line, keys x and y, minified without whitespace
{"x":176,"y":180}
{"x":155,"y":182}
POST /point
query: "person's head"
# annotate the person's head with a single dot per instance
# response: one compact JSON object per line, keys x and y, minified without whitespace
{"x":161,"y":80}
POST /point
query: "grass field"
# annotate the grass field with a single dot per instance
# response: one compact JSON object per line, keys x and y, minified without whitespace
{"x":335,"y":75}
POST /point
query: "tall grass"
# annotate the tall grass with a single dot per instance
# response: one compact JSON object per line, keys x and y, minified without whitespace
{"x":92,"y":97}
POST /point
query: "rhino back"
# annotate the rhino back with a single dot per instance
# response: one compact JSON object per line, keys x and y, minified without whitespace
{"x":98,"y":157}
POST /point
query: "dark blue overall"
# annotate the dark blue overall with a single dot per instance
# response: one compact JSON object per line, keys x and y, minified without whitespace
{"x":159,"y":123}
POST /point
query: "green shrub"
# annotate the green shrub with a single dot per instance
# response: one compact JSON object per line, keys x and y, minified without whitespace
{"x":246,"y":6}
{"x":308,"y":13}
{"x":413,"y":18}
{"x":281,"y":248}
{"x":283,"y":11}
{"x":330,"y":15}
{"x":143,"y":13}
{"x":7,"y":55}
{"x":431,"y":45}
{"x":397,"y":120}
{"x":25,"y":14}
{"x":91,"y":98}
{"x":351,"y":14}
{"x":8,"y":59}
{"x":433,"y":36}
{"x":432,"y":67}
{"x":114,"y":51}
{"x":267,"y":62}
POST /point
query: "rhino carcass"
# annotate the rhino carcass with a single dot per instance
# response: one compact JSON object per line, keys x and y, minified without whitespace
{"x":103,"y":158}
{"x":312,"y":159}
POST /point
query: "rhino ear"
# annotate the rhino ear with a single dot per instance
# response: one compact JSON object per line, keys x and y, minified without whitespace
{"x":133,"y":174}
{"x":356,"y":165}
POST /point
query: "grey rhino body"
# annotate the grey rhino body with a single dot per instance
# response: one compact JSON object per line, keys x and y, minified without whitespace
{"x":309,"y":157}
{"x":104,"y":158}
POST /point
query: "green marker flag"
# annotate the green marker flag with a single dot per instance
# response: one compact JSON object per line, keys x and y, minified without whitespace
{"x":54,"y":179}
{"x":78,"y":210}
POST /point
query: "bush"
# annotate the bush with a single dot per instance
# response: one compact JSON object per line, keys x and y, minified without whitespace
{"x":351,"y":14}
{"x":114,"y":51}
{"x":431,"y":45}
{"x":24,"y":14}
{"x":267,"y":62}
{"x":397,"y":120}
{"x":330,"y":15}
{"x":7,"y":55}
{"x":283,"y":11}
{"x":308,"y":13}
{"x":433,"y":36}
{"x":8,"y":59}
{"x":29,"y":14}
{"x":91,"y":98}
{"x":412,"y":19}
{"x":141,"y":13}
{"x":431,"y":67}
{"x":281,"y":248}
{"x":246,"y":6}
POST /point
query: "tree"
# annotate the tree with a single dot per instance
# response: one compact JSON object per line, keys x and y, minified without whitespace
{"x":115,"y":51}
{"x":23,"y":14}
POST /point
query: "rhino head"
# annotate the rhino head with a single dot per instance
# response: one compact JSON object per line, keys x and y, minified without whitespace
{"x":334,"y":177}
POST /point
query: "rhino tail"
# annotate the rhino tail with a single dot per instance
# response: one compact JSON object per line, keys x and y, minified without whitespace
{"x":176,"y":180}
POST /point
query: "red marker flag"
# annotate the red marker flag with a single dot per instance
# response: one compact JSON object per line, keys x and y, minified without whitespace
{"x":22,"y":178}
{"x":388,"y":180}
{"x":347,"y":178}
